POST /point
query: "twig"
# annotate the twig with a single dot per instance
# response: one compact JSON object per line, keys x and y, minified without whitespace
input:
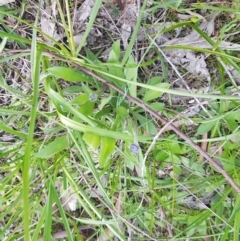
{"x":165,"y":122}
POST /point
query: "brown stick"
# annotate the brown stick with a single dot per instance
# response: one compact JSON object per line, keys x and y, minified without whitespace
{"x":165,"y":122}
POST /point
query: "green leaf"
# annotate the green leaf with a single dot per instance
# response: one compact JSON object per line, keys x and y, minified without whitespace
{"x":92,"y":140}
{"x":81,"y":99}
{"x":68,"y":74}
{"x":205,"y":127}
{"x":232,"y":124}
{"x":48,"y":220}
{"x":107,"y":147}
{"x":157,"y":106}
{"x":103,"y":112}
{"x":54,"y":147}
{"x":153,"y":94}
{"x":147,"y":124}
{"x":122,"y":112}
{"x":155,"y":80}
{"x":161,"y":156}
{"x":2,"y":9}
{"x":87,"y":109}
{"x":115,"y":53}
{"x":104,"y":101}
{"x":131,"y":73}
{"x":62,"y":212}
{"x":72,"y":89}
{"x":174,"y":148}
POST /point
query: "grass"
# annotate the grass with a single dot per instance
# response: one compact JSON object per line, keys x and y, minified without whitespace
{"x":99,"y":150}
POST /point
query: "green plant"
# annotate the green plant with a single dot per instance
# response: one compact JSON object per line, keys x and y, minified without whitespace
{"x":99,"y":129}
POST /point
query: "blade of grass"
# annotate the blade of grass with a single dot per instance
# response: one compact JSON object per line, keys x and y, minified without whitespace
{"x":35,"y":68}
{"x":207,"y":51}
{"x":166,"y":90}
{"x":61,"y":101}
{"x":236,"y":211}
{"x":104,"y":221}
{"x":48,"y":217}
{"x":11,"y":131}
{"x":210,"y":41}
{"x":93,"y":15}
{"x":70,"y":30}
{"x":61,"y":210}
{"x":99,"y":131}
{"x":38,"y":228}
{"x":134,"y":35}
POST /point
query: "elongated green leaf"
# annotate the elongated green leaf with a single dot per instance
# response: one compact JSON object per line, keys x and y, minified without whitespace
{"x":48,"y":219}
{"x":61,"y":210}
{"x":115,"y":53}
{"x":205,"y":127}
{"x":99,"y":131}
{"x":104,"y":101}
{"x":69,"y":74}
{"x":80,"y":99}
{"x":153,"y":94}
{"x":107,"y":147}
{"x":36,"y":57}
{"x":237,"y":220}
{"x":92,"y":140}
{"x":54,"y":147}
{"x":171,"y":91}
{"x":131,"y":73}
{"x":122,"y":112}
{"x":87,"y":109}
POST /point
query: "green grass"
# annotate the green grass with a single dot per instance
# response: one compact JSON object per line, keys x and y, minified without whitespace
{"x":106,"y":132}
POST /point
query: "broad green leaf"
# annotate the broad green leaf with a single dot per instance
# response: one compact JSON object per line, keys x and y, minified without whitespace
{"x":115,"y":53}
{"x":232,"y":124}
{"x":206,"y":127}
{"x":122,"y":112}
{"x":87,"y":109}
{"x":107,"y":147}
{"x":157,"y":106}
{"x":92,"y":140}
{"x":177,"y":170}
{"x":114,"y":67}
{"x":147,"y":124}
{"x":161,"y":156}
{"x":174,"y":159}
{"x":81,"y":99}
{"x":72,"y":89}
{"x":174,"y":148}
{"x":103,"y":112}
{"x":68,"y":74}
{"x":131,"y":73}
{"x":235,"y":115}
{"x":155,"y":80}
{"x":153,"y":94}
{"x":104,"y":101}
{"x":53,"y":148}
